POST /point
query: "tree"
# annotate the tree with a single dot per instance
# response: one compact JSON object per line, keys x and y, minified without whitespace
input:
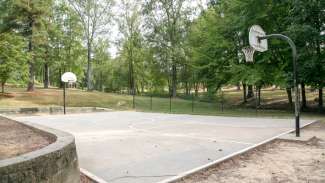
{"x":274,"y":66}
{"x":12,"y":56}
{"x":29,"y":17}
{"x":307,"y":28}
{"x":102,"y":65}
{"x":129,"y":26}
{"x":167,"y":22}
{"x":64,"y":49}
{"x":94,"y":17}
{"x":209,"y":57}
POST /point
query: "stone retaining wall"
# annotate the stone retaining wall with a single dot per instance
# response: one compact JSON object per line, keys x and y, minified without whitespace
{"x":56,"y":163}
{"x":50,"y":110}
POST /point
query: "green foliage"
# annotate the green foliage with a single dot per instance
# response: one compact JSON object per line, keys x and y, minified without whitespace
{"x":94,"y":16}
{"x":163,"y":45}
{"x":211,"y":55}
{"x":307,"y":30}
{"x":12,"y":56}
{"x":65,"y":51}
{"x":168,"y":22}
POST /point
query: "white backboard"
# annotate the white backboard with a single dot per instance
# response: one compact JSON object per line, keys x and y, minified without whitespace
{"x":69,"y":77}
{"x":254,"y":32}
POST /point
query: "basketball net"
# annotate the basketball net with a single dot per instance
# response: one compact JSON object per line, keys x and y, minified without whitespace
{"x":249,"y":54}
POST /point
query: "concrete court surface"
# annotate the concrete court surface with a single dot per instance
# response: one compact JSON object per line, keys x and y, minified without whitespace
{"x":134,"y":147}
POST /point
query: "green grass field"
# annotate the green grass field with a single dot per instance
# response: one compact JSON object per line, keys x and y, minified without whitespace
{"x":18,"y":97}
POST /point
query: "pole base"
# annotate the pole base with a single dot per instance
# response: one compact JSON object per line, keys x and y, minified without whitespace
{"x":297,"y":126}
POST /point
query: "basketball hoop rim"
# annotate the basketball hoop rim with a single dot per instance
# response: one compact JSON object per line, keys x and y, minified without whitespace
{"x":249,"y":53}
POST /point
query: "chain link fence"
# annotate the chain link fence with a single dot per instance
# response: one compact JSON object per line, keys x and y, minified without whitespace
{"x":266,"y":102}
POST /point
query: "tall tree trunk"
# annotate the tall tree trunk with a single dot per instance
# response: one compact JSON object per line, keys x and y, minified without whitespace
{"x":131,"y":72}
{"x":31,"y":81}
{"x":59,"y":79}
{"x":196,"y":86}
{"x":250,"y":92}
{"x":142,"y":87}
{"x":320,"y":100}
{"x":245,"y":93}
{"x":89,"y":83}
{"x":238,"y":86}
{"x":137,"y":89}
{"x":319,"y":55}
{"x":101,"y":81}
{"x":131,"y":78}
{"x":289,"y":93}
{"x":303,"y":96}
{"x":259,"y":95}
{"x":187,"y":88}
{"x":46,"y":75}
{"x":174,"y":80}
{"x":2,"y":87}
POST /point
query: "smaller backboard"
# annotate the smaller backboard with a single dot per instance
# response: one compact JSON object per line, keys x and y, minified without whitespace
{"x":259,"y":45}
{"x":69,"y":77}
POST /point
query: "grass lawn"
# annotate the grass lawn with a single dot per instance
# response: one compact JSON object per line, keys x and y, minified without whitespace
{"x":18,"y":97}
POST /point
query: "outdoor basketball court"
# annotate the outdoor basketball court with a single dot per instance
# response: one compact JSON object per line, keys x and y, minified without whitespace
{"x":124,"y":147}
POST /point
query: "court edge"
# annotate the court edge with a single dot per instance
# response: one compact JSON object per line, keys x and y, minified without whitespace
{"x":206,"y":166}
{"x":92,"y":176}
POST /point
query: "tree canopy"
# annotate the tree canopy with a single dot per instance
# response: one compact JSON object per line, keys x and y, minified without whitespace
{"x":164,"y":46}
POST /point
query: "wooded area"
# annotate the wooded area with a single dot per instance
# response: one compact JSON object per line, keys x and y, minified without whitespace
{"x":164,"y":46}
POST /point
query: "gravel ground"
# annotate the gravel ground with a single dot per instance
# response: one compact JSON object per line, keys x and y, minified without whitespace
{"x":17,"y":139}
{"x":282,"y":161}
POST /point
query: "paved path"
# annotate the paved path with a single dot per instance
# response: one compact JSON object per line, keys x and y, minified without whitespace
{"x":124,"y":147}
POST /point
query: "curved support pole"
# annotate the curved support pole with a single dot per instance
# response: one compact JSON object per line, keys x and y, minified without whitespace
{"x":295,"y":75}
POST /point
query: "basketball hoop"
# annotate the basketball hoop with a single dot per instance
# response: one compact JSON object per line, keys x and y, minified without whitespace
{"x":249,"y":54}
{"x":258,"y":41}
{"x":69,"y":78}
{"x":255,"y":32}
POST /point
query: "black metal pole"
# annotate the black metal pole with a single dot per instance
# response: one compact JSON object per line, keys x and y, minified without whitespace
{"x":133,"y":98}
{"x":256,"y":98}
{"x":295,"y":75}
{"x":222,"y":102}
{"x":151,"y":102}
{"x":192,"y":103}
{"x":64,"y":95}
{"x":170,"y":103}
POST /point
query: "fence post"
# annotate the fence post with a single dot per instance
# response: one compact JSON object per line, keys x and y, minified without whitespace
{"x":151,"y":102}
{"x":256,"y":99}
{"x":133,"y":105}
{"x":170,"y":103}
{"x":222,"y":102}
{"x":192,"y":103}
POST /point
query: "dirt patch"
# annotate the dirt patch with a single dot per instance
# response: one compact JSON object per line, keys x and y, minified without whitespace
{"x":281,"y":161}
{"x":17,"y":139}
{"x":85,"y":179}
